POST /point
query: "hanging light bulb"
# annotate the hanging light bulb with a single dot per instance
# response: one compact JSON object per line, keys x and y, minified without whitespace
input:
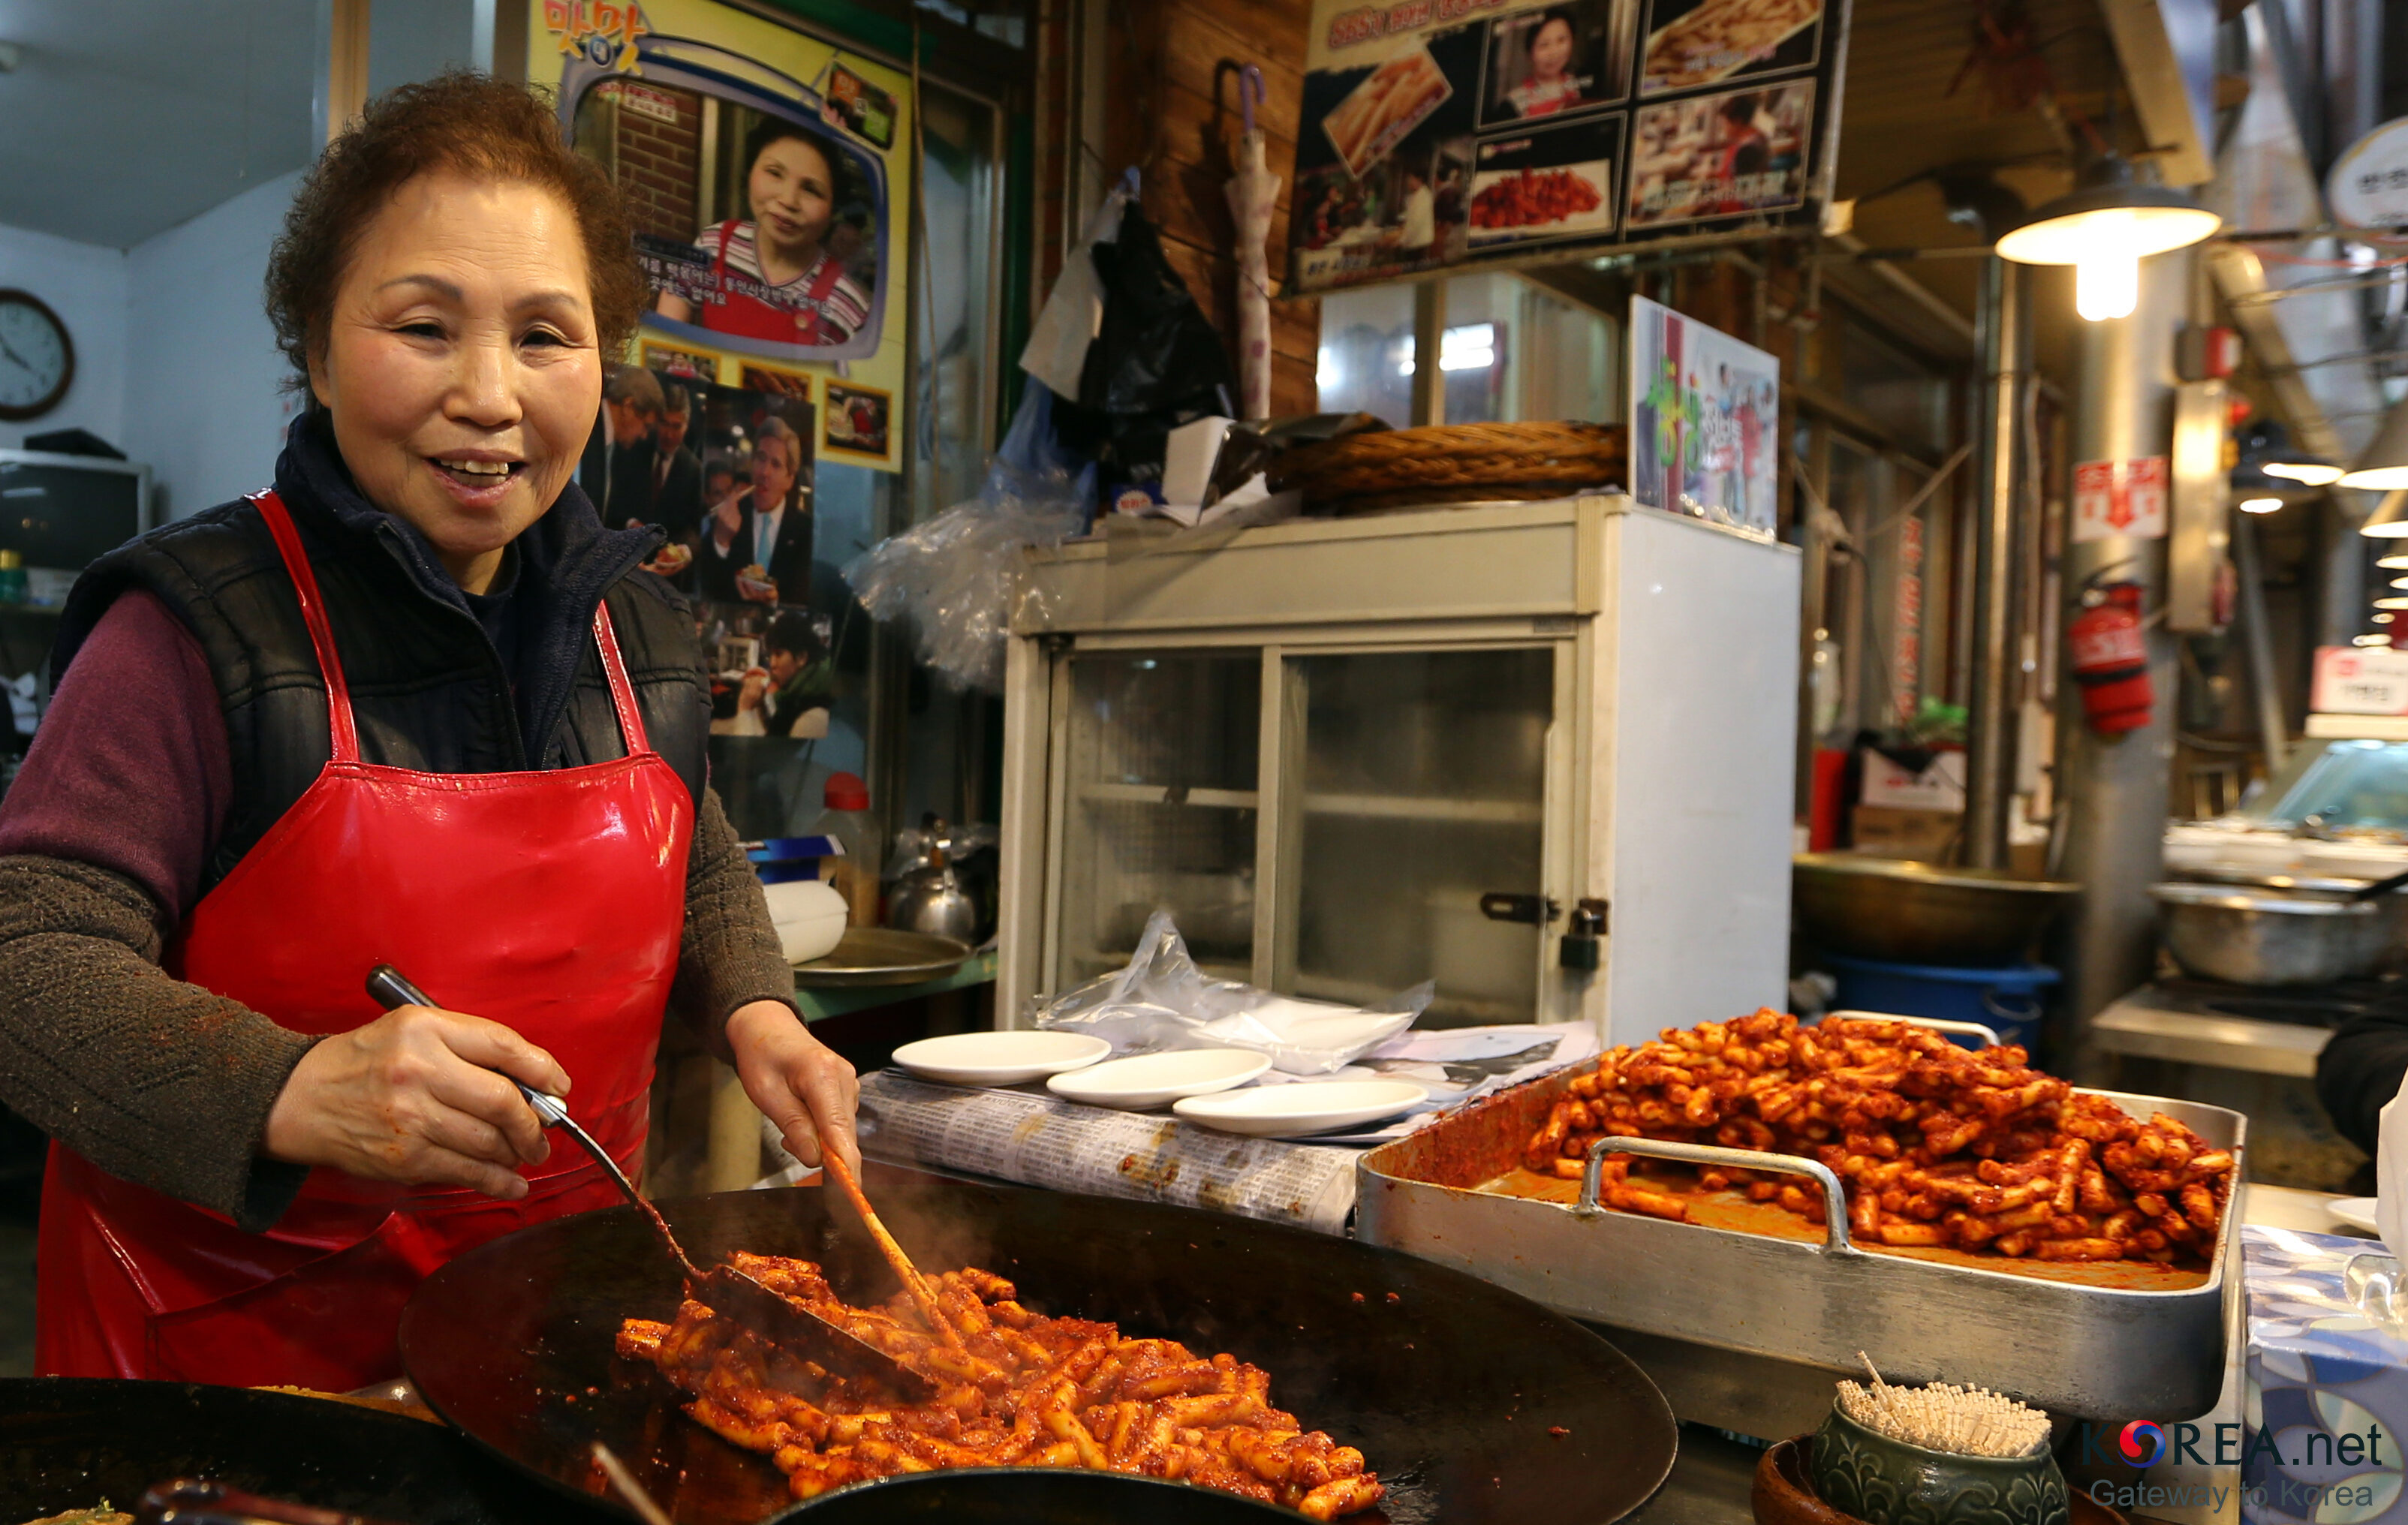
{"x":2104,"y":227}
{"x":2392,"y":603}
{"x":2393,"y":564}
{"x":2107,"y":279}
{"x":2255,"y":506}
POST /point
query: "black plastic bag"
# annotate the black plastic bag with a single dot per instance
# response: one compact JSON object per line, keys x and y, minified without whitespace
{"x":1156,"y":361}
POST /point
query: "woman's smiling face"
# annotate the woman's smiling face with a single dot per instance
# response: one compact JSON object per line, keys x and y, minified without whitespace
{"x":460,"y":364}
{"x":793,"y":195}
{"x":1551,"y":50}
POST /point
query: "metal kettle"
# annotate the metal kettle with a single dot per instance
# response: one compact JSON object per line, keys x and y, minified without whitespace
{"x":931,"y":899}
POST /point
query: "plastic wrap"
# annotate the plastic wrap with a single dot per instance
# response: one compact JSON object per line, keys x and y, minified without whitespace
{"x":1161,"y":1001}
{"x":953,"y":577}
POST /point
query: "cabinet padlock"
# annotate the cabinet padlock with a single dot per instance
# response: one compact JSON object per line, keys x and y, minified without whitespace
{"x":1584,"y":937}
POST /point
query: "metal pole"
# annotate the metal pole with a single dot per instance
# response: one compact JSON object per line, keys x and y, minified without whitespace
{"x":1429,"y":334}
{"x":2116,"y":787}
{"x":1989,"y":783}
{"x":2274,"y":737}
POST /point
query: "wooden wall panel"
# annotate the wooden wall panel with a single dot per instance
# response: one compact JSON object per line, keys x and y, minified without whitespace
{"x":1175,"y":115}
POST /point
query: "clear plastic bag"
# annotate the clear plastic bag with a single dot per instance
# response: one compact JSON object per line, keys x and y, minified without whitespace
{"x":954,"y":577}
{"x":1161,"y":1001}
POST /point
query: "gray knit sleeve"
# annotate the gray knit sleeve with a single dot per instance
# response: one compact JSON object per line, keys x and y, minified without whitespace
{"x":729,"y":955}
{"x":155,"y":1081}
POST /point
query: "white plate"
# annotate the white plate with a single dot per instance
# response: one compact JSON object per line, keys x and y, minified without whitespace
{"x":1310,"y":1106}
{"x":999,"y":1059}
{"x":1151,"y":1080}
{"x":2357,"y":1212}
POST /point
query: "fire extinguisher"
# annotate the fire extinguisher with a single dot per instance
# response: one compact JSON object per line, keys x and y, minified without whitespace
{"x":2111,"y":658}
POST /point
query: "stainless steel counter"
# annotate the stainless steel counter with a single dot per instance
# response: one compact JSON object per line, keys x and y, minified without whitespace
{"x":2150,"y":1023}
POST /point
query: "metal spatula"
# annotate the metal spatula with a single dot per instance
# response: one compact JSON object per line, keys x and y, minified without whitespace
{"x":726,"y":1290}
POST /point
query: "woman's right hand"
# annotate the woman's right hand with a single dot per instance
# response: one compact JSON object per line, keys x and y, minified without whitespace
{"x":413,"y":1097}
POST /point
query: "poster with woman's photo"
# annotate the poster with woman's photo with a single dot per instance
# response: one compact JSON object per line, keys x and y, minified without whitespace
{"x":1735,"y":154}
{"x":768,"y":176}
{"x":1553,"y":60}
{"x":1434,"y":138}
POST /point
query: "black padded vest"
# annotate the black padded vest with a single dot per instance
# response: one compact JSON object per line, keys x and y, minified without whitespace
{"x":428,"y":687}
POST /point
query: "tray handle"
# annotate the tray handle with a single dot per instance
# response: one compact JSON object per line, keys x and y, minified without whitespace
{"x":1835,"y":1198}
{"x":1988,"y":1034}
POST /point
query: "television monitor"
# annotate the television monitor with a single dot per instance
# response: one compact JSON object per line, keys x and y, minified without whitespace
{"x":62,"y":511}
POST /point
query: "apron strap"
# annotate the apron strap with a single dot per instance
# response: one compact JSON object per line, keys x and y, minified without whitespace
{"x":623,"y":693}
{"x":313,"y":613}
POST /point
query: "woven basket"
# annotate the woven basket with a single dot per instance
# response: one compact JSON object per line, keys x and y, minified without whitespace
{"x":1456,"y":463}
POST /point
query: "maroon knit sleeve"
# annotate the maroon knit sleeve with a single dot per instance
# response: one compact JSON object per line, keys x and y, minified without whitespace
{"x":130,"y":770}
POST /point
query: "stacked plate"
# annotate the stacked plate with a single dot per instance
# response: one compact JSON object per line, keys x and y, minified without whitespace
{"x":1200,"y":1085}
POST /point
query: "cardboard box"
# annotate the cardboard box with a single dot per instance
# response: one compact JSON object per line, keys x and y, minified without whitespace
{"x":2326,"y":1406}
{"x":1884,"y":833}
{"x":1940,"y":786}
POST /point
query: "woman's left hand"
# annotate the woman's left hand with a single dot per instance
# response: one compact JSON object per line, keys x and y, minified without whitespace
{"x":797,"y":1081}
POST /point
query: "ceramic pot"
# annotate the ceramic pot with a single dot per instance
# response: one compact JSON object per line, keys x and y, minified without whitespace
{"x":1889,"y":1482}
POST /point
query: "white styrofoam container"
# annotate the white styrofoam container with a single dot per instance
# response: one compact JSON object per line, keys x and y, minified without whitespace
{"x":810,"y":916}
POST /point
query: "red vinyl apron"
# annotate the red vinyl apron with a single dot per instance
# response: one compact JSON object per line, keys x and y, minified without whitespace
{"x":741,"y":313}
{"x":551,"y":902}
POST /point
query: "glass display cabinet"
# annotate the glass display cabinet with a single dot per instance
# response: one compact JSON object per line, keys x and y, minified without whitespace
{"x":1538,"y":753}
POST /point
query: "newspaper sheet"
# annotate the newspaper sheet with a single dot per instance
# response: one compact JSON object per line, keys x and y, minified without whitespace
{"x":1039,"y":1139}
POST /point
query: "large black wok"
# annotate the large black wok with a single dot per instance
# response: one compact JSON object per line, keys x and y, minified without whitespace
{"x":67,"y":1442}
{"x":1472,"y":1404}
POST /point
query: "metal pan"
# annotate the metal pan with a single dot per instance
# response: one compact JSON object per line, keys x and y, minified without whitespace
{"x":883,"y":956}
{"x":67,"y":1442}
{"x":1451,"y":1386}
{"x":2092,"y":1342}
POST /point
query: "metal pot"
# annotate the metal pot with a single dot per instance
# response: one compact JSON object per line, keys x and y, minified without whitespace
{"x":931,"y":900}
{"x":2252,"y":937}
{"x":1920,"y":913}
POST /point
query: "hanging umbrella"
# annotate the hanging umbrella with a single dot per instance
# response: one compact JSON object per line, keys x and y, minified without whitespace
{"x":1252,"y":192}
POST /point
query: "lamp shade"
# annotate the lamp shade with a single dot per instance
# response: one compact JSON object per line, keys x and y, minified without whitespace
{"x":2266,"y":448}
{"x":2383,"y":465}
{"x":2109,"y":213}
{"x":2389,"y":520}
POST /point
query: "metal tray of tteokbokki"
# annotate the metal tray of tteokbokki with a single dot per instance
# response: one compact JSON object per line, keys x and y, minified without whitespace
{"x":1952,"y":1214}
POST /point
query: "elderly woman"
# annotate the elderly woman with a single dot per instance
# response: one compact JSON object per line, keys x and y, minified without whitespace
{"x":414,"y":705}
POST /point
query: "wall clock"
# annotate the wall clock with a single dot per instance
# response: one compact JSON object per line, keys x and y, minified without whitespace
{"x":37,"y":357}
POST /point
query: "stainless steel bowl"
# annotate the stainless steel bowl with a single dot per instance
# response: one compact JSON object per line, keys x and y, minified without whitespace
{"x":1920,"y":913}
{"x":2252,"y":937}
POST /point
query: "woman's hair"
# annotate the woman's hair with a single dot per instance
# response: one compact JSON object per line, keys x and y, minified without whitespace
{"x":472,"y":125}
{"x":843,"y":188}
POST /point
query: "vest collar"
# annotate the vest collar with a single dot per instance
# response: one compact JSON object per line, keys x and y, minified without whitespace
{"x":567,"y":561}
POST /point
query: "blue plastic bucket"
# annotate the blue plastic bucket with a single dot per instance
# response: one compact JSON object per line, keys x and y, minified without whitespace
{"x":2007,"y":1001}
